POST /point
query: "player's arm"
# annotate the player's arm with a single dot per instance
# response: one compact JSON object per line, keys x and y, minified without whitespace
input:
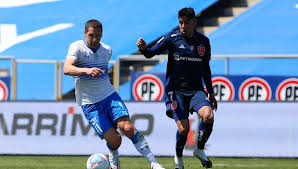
{"x":208,"y":82}
{"x":155,"y":50}
{"x":72,"y":70}
{"x":207,"y":77}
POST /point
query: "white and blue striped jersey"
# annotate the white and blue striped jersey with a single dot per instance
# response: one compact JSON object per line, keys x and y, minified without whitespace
{"x":88,"y":89}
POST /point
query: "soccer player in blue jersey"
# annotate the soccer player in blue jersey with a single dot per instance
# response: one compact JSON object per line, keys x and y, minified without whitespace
{"x":87,"y":60}
{"x":188,"y":62}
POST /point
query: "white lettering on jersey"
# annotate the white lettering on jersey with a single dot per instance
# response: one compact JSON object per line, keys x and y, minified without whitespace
{"x":190,"y":59}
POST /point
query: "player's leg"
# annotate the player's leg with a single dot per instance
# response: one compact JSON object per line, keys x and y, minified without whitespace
{"x":202,"y":106}
{"x":181,"y":138}
{"x":206,"y":125}
{"x":178,"y":109}
{"x":113,"y":139}
{"x":139,"y":141}
{"x":205,"y":130}
{"x":120,"y":116}
{"x":101,"y":123}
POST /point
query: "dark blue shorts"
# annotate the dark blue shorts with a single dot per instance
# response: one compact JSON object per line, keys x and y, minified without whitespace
{"x":180,"y":104}
{"x":103,"y":115}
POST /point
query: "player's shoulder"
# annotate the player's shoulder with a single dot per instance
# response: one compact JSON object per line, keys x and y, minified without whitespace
{"x":170,"y":36}
{"x":174,"y":34}
{"x":77,"y":44}
{"x":201,"y":36}
{"x":105,"y":46}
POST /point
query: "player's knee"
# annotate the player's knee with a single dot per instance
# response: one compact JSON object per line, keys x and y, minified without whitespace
{"x":127,"y":129}
{"x":208,"y":116}
{"x":183,"y":130}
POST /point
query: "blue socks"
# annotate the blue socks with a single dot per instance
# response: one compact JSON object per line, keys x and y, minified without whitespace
{"x":205,"y":130}
{"x":142,"y":147}
{"x":135,"y":137}
{"x":180,"y":143}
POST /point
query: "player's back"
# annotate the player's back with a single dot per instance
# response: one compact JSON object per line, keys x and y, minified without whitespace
{"x":90,"y":89}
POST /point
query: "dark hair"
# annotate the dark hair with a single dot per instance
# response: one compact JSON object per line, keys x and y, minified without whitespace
{"x":187,"y":12}
{"x":94,"y":24}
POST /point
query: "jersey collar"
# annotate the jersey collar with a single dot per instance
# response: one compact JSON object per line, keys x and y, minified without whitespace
{"x":92,"y":49}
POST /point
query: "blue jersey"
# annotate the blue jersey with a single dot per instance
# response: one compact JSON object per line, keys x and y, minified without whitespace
{"x":188,"y":61}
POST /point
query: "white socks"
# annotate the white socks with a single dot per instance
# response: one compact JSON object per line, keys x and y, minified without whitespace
{"x":143,"y":148}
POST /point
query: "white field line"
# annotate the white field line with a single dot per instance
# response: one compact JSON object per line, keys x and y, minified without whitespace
{"x":246,"y":165}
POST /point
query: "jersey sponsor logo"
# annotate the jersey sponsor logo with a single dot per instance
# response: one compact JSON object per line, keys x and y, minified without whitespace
{"x":176,"y":57}
{"x":287,"y":90}
{"x":148,"y":87}
{"x":3,"y":91}
{"x":255,"y":89}
{"x":223,"y":88}
{"x":201,"y":50}
{"x":190,"y":59}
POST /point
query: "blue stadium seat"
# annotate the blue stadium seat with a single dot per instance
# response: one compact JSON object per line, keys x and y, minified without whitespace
{"x":44,"y":30}
{"x":268,"y":28}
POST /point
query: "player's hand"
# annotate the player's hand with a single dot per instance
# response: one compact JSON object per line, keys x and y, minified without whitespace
{"x":94,"y":72}
{"x":213,"y":101}
{"x":141,"y":44}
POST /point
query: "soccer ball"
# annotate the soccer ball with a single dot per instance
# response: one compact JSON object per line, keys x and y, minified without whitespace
{"x":98,"y":161}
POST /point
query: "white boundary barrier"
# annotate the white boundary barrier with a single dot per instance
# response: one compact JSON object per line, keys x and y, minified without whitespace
{"x":250,"y":129}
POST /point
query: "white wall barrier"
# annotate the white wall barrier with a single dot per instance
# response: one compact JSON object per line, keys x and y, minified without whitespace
{"x":267,"y":129}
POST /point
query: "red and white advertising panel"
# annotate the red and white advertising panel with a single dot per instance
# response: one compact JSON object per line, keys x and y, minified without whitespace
{"x":287,"y":90}
{"x":3,"y":91}
{"x":148,"y":87}
{"x":255,"y":89}
{"x":223,"y":88}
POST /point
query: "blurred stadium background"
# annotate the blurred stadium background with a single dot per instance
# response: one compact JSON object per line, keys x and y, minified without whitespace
{"x":254,"y":66}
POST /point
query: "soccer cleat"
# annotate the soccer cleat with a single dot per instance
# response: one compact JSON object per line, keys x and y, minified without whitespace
{"x":156,"y":166}
{"x":178,"y":162}
{"x":114,"y":160}
{"x":200,"y":154}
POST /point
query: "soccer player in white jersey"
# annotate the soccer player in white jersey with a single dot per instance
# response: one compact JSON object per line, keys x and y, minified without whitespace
{"x":87,"y":60}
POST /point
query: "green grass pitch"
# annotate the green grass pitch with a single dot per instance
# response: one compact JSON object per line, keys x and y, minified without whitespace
{"x":79,"y":162}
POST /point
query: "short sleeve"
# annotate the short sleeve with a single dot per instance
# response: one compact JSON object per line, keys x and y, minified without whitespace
{"x":110,"y":53}
{"x":73,"y":52}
